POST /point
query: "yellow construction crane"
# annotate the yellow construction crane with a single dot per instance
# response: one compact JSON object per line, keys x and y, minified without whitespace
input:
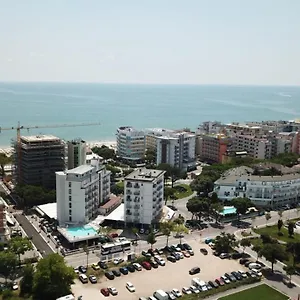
{"x":20,"y":127}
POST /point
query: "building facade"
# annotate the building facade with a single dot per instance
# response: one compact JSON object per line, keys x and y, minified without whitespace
{"x":76,"y":153}
{"x":268,"y":191}
{"x":212,"y":148}
{"x":37,"y":158}
{"x":4,"y":230}
{"x":80,"y":192}
{"x":143,"y":196}
{"x":130,"y":143}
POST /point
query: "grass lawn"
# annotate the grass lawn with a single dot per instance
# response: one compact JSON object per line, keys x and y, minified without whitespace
{"x":263,"y":291}
{"x":273,"y":232}
{"x":182,"y":191}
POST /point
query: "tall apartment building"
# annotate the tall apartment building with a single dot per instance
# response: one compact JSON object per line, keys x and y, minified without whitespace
{"x":130,"y":143}
{"x":176,"y":148}
{"x":4,"y":230}
{"x":37,"y":158}
{"x":211,"y":148}
{"x":210,"y":127}
{"x":79,"y":193}
{"x":76,"y":153}
{"x":143,"y":196}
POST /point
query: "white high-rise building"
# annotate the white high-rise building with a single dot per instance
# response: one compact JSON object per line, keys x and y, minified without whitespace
{"x":130,"y":143}
{"x":76,"y":153}
{"x":176,"y":148}
{"x":143,"y":196}
{"x":80,"y":191}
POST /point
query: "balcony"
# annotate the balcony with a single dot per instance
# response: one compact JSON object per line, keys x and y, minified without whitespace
{"x":128,"y":206}
{"x":136,"y":186}
{"x":128,"y":192}
{"x":129,"y":184}
{"x":137,"y":193}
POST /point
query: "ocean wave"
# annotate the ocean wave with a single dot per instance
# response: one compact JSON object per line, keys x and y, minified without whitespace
{"x":284,"y":95}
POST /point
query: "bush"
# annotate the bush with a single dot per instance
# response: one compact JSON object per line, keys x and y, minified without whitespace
{"x":30,"y":260}
{"x":279,"y":233}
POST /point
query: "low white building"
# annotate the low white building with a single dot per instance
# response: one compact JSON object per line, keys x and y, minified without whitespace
{"x":79,"y":193}
{"x":143,"y":196}
{"x":271,"y":191}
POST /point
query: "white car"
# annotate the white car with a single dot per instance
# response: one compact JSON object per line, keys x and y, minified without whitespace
{"x":180,"y":255}
{"x":254,"y":266}
{"x":256,"y":272}
{"x":186,"y":290}
{"x":159,"y":260}
{"x":137,"y":266}
{"x":130,"y":287}
{"x":176,"y":248}
{"x":113,"y":290}
{"x":194,"y":290}
{"x":118,"y":261}
{"x":242,"y":273}
{"x":191,"y":252}
{"x":176,"y":293}
{"x":225,"y":279}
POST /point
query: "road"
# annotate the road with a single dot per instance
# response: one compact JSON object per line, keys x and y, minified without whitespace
{"x":38,"y":241}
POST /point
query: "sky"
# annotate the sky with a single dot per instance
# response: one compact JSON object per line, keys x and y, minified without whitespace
{"x":239,"y":42}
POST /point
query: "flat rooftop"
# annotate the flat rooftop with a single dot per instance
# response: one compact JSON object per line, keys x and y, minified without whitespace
{"x":80,"y":170}
{"x":48,"y":209}
{"x":144,"y":174}
{"x":39,"y":138}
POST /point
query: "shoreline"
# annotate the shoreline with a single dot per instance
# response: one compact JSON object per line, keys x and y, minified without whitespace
{"x":108,"y":143}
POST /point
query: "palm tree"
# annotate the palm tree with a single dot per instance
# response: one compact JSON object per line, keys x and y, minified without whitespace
{"x":151,"y":239}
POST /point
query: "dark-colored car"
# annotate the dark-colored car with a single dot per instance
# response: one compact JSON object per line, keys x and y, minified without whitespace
{"x":151,"y":251}
{"x":175,"y":255}
{"x":104,"y":292}
{"x":146,"y":254}
{"x":236,"y":255}
{"x":168,"y":249}
{"x":102,"y":264}
{"x":181,"y":247}
{"x":204,"y":251}
{"x":110,"y":275}
{"x":243,"y":261}
{"x":171,"y":259}
{"x":248,"y":263}
{"x":194,"y":271}
{"x":154,"y":264}
{"x":159,"y":251}
{"x":116,"y":273}
{"x":213,"y":284}
{"x":220,"y":281}
{"x":123,"y":270}
{"x":130,"y":268}
{"x":146,"y":265}
{"x":187,"y":246}
{"x":237,"y":275}
{"x":82,"y":269}
{"x":230,"y":277}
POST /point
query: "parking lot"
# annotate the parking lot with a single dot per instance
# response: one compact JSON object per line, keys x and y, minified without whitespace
{"x":173,"y":275}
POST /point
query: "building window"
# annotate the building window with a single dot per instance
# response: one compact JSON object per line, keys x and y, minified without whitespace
{"x":70,"y":191}
{"x":70,"y":198}
{"x":70,"y":218}
{"x":70,"y":184}
{"x":70,"y":211}
{"x":70,"y":205}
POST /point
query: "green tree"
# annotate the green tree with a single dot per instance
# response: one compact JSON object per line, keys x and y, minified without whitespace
{"x":26,"y":282}
{"x":217,"y":208}
{"x":198,"y":207}
{"x":290,"y":270}
{"x":151,"y":238}
{"x":279,"y":224}
{"x":179,"y":220}
{"x":87,"y":252}
{"x":245,"y":243}
{"x":225,"y":242}
{"x":150,"y":157}
{"x":19,"y":246}
{"x":273,"y":253}
{"x":105,"y":152}
{"x":168,"y":193}
{"x":291,"y":227}
{"x":257,"y":248}
{"x":4,"y":160}
{"x":105,"y":230}
{"x":268,"y":217}
{"x":52,"y":278}
{"x":294,"y":249}
{"x":180,"y":229}
{"x":8,"y":264}
{"x":166,"y":228}
{"x":280,"y":213}
{"x":241,"y":205}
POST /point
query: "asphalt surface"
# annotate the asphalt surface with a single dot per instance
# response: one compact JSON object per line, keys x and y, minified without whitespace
{"x":38,"y":241}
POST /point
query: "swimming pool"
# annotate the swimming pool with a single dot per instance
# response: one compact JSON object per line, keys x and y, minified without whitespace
{"x":228,"y":210}
{"x":82,"y":231}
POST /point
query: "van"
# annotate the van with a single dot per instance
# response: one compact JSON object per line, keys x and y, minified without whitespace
{"x":83,"y":278}
{"x":196,"y":282}
{"x":161,"y":295}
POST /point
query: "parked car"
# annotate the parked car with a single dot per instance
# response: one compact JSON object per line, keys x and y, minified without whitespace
{"x":95,"y":266}
{"x":220,"y":281}
{"x":176,"y":293}
{"x":154,"y":264}
{"x":194,"y":271}
{"x":175,"y":248}
{"x":175,"y":255}
{"x":242,"y":273}
{"x":130,"y":287}
{"x":186,"y":290}
{"x":256,"y":272}
{"x":113,"y":291}
{"x":194,"y":289}
{"x":104,"y":292}
{"x":248,"y":263}
{"x":102,"y":264}
{"x":250,"y":274}
{"x":159,"y":251}
{"x":83,"y":278}
{"x":124,"y":270}
{"x":225,"y":279}
{"x":93,"y":279}
{"x":82,"y":269}
{"x":146,"y":254}
{"x":159,"y":260}
{"x":130,"y":268}
{"x":191,"y":252}
{"x":181,"y":247}
{"x":146,"y":265}
{"x":186,"y":254}
{"x":117,"y":273}
{"x":236,"y":255}
{"x":224,"y":255}
{"x":118,"y":261}
{"x":171,"y":259}
{"x":230,"y":277}
{"x":204,"y":251}
{"x":137,"y":266}
{"x":110,"y":275}
{"x":169,"y":249}
{"x":254,"y":266}
{"x":213,"y":284}
{"x":151,"y":252}
{"x":170,"y":295}
{"x":243,"y":261}
{"x":237,"y":275}
{"x":187,"y":246}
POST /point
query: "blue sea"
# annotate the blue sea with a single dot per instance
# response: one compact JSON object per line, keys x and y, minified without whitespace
{"x":142,"y":106}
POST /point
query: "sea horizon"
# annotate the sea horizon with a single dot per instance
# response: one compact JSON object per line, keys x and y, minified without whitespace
{"x":173,"y":106}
